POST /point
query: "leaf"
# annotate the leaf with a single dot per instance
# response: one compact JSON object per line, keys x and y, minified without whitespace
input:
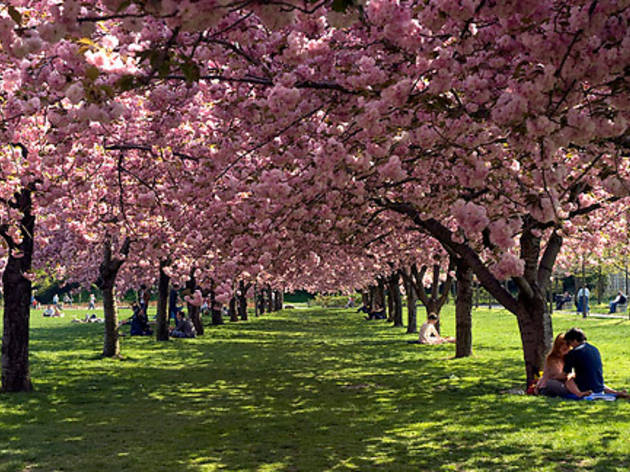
{"x":126,"y":82}
{"x":109,"y":91}
{"x":92,"y":73}
{"x":87,"y":42}
{"x":340,"y":5}
{"x":16,"y":15}
{"x":144,"y":55}
{"x":123,"y":5}
{"x":191,"y":71}
{"x":164,"y":69}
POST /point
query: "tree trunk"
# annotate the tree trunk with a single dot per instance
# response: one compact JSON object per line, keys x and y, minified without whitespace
{"x":16,"y":375}
{"x":260,"y":302}
{"x":242,"y":300}
{"x":536,"y":337}
{"x":463,"y":309}
{"x":256,"y":306}
{"x":268,"y":300}
{"x":233,"y":313}
{"x":372,"y":297}
{"x":394,"y":290}
{"x":412,"y":318}
{"x":108,"y":271}
{"x":390,"y":304}
{"x":193,"y":310}
{"x":217,"y":317}
{"x":279,"y":300}
{"x":111,"y":344}
{"x":161,"y":319}
{"x":380,"y":295}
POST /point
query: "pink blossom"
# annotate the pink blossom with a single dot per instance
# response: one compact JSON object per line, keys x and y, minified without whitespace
{"x":470,"y":216}
{"x":508,"y":266}
{"x":75,"y":93}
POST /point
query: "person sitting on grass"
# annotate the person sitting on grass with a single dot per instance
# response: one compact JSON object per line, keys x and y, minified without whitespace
{"x":377,"y":313}
{"x":48,"y":311}
{"x":554,"y":381}
{"x":184,"y":327}
{"x":139,"y":322}
{"x":584,"y":359}
{"x":428,"y":333}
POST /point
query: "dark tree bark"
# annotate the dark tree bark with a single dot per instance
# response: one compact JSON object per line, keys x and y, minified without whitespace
{"x":161,"y":327}
{"x":393,"y":286}
{"x":233,"y":313}
{"x":412,"y":318}
{"x":108,"y":272}
{"x":278,"y":300}
{"x":372,"y":296}
{"x":379,"y":298}
{"x":242,"y":299}
{"x":390,"y":303}
{"x":268,"y":300}
{"x":260,"y":302}
{"x":217,"y":317}
{"x":257,"y":304}
{"x":463,"y":310}
{"x":193,"y":310}
{"x":16,"y":375}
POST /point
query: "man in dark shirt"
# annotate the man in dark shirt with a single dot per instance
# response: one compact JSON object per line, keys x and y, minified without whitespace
{"x":586,"y":361}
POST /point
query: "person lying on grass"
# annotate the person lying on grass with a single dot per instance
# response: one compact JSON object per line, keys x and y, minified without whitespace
{"x":428,"y":333}
{"x":88,"y":319}
{"x":584,"y":359}
{"x":53,"y":312}
{"x":554,"y":381}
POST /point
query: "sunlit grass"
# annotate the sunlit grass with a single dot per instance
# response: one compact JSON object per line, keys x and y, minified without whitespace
{"x":307,"y":390}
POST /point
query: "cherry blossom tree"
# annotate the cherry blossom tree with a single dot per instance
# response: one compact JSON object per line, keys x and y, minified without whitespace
{"x":491,"y":126}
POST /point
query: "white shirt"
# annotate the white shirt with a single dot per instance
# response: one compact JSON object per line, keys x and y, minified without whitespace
{"x":587,"y":293}
{"x":428,"y":334}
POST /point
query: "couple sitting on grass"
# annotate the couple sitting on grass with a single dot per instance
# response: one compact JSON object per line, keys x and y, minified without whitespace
{"x":574,"y":367}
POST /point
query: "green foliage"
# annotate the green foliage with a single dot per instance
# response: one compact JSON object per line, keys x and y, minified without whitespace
{"x":332,"y":301}
{"x":341,"y":5}
{"x":308,"y":390}
{"x":299,"y":296}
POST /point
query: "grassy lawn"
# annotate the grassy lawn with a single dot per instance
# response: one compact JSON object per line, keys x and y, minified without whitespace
{"x":307,"y":390}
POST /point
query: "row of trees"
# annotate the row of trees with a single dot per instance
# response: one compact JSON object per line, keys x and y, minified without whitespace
{"x":220,"y":142}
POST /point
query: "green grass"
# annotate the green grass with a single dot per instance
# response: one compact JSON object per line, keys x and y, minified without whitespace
{"x":307,"y":390}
